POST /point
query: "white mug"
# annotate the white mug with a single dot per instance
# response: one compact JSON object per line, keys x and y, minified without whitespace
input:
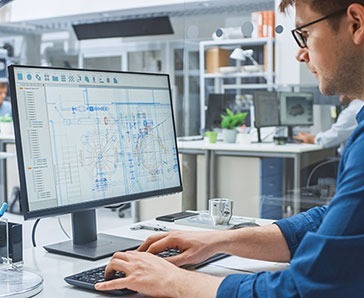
{"x":221,"y":210}
{"x":243,"y":138}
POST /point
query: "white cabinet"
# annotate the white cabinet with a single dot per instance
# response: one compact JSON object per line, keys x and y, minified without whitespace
{"x":239,"y":80}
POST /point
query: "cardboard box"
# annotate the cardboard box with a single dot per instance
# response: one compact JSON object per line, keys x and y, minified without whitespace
{"x":215,"y":58}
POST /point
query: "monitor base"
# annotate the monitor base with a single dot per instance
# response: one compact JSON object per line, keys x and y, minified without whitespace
{"x":103,"y":247}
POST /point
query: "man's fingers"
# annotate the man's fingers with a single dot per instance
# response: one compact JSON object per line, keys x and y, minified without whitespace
{"x":118,"y":262}
{"x":150,"y":240}
{"x":115,"y":284}
{"x":160,"y":245}
{"x":178,"y":260}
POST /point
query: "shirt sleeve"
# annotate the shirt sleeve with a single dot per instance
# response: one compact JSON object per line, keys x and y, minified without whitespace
{"x":324,"y":272}
{"x":262,"y":284}
{"x":328,"y":262}
{"x":342,"y":128}
{"x":296,"y":227}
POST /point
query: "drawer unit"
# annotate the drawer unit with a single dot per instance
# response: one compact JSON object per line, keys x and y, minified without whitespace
{"x":271,"y":188}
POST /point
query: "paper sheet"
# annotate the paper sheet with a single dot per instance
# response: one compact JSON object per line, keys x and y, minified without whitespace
{"x":250,"y":265}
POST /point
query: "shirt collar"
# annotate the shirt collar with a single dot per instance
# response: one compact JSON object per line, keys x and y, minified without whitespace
{"x":360,"y":115}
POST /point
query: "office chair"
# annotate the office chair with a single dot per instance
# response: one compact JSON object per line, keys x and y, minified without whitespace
{"x":320,"y":185}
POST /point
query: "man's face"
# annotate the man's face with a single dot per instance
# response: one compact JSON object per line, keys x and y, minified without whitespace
{"x":328,"y":54}
{"x":2,"y":94}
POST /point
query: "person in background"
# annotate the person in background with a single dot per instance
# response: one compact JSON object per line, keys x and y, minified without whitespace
{"x":324,"y":245}
{"x":5,"y":106}
{"x":340,"y":130}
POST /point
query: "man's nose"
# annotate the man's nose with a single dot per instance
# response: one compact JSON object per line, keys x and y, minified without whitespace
{"x":302,"y":55}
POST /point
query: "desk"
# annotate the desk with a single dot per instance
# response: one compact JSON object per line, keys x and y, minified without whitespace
{"x":53,"y":268}
{"x":259,"y":150}
{"x":4,"y":140}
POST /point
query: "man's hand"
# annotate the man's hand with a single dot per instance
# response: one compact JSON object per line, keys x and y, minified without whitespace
{"x":195,"y":247}
{"x":154,"y":276}
{"x":305,"y":137}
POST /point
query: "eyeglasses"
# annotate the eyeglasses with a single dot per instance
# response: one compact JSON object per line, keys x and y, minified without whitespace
{"x":301,"y":37}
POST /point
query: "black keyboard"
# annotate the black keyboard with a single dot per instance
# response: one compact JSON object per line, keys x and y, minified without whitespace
{"x":87,"y":279}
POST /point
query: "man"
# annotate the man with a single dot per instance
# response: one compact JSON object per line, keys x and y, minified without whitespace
{"x":340,"y":130}
{"x":324,"y":245}
{"x":5,"y":106}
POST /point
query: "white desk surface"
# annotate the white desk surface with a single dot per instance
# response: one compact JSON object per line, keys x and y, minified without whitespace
{"x":5,"y":155}
{"x":53,"y":268}
{"x":7,"y":137}
{"x":257,"y":147}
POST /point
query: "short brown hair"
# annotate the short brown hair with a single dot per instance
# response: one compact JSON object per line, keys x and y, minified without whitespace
{"x":323,"y":7}
{"x":3,"y":85}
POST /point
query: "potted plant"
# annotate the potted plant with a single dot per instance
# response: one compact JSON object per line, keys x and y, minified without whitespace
{"x":6,"y":124}
{"x":229,"y":123}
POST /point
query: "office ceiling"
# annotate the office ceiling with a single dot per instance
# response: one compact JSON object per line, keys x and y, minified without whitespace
{"x":209,"y":7}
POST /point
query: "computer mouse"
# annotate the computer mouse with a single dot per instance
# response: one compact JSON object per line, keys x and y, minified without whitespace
{"x":244,"y":225}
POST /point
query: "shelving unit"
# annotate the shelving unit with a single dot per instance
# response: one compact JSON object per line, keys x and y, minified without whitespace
{"x":219,"y":79}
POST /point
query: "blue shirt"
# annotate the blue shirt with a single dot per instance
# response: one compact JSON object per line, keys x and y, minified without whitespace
{"x":5,"y":108}
{"x":326,"y":243}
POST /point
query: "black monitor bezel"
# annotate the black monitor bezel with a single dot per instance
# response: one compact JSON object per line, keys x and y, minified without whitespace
{"x":28,"y":214}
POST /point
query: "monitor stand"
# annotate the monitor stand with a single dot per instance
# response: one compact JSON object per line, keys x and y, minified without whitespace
{"x":259,"y":135}
{"x":86,"y":243}
{"x":290,"y":138}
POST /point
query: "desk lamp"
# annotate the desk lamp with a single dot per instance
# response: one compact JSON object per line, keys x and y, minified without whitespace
{"x":242,"y":55}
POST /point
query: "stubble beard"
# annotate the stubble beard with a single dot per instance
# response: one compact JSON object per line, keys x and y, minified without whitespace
{"x":347,"y":78}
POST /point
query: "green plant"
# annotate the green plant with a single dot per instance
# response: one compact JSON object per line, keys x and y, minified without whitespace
{"x":6,"y":118}
{"x":231,"y":120}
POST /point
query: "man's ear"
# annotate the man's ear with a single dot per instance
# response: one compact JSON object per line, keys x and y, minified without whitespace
{"x":356,"y":14}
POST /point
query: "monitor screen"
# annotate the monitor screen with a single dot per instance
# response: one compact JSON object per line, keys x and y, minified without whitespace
{"x":266,"y":110}
{"x":88,"y":138}
{"x":296,"y":108}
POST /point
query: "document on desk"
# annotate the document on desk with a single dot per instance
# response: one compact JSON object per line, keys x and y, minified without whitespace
{"x":249,"y":265}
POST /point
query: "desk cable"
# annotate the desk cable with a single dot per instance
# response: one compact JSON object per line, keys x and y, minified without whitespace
{"x":35,"y":228}
{"x":63,"y":229}
{"x":33,"y":231}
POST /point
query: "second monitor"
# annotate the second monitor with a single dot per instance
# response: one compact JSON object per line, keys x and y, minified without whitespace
{"x":283,"y":109}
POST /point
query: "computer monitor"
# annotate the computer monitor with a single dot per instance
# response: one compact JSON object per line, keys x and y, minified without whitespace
{"x":266,"y":110}
{"x":89,"y":138}
{"x":296,"y":109}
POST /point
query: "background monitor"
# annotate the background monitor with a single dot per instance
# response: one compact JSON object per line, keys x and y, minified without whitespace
{"x":87,"y":139}
{"x":296,"y":109}
{"x":266,"y":109}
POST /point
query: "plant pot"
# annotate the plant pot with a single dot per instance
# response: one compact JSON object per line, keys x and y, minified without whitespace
{"x":229,"y":135}
{"x":6,"y":128}
{"x":212,"y":136}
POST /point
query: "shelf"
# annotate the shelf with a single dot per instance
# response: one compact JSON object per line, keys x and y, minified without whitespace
{"x":192,"y":73}
{"x":265,"y":52}
{"x":241,"y":41}
{"x":247,"y":86}
{"x":237,"y":75}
